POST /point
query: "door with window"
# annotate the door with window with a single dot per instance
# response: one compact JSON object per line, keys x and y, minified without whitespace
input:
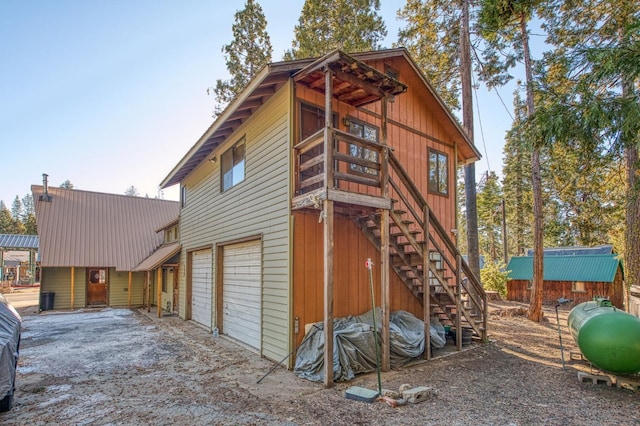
{"x":97,"y":287}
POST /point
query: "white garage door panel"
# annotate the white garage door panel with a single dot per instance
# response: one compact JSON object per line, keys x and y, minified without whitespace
{"x":201,"y":287}
{"x":242,"y":292}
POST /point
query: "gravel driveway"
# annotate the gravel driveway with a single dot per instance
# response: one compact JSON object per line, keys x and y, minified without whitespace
{"x":117,"y":366}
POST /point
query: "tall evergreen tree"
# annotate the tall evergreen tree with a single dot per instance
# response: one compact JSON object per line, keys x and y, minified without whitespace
{"x":431,"y":35}
{"x":516,"y":183}
{"x":66,"y":184}
{"x":490,"y":217}
{"x":504,"y":23}
{"x":348,"y":25}
{"x":593,"y":80}
{"x":245,"y":55}
{"x":6,"y":221}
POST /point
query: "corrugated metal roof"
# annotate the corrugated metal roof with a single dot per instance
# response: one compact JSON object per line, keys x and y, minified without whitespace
{"x":17,"y":242}
{"x":591,"y":268}
{"x":572,"y":251}
{"x":158,"y":257}
{"x":83,"y":228}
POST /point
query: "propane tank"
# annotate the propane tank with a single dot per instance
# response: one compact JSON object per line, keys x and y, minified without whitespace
{"x":608,"y":337}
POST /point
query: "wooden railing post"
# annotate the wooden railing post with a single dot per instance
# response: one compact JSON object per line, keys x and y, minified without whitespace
{"x":384,"y":287}
{"x":426,"y":287}
{"x":328,"y":128}
{"x":458,"y":295}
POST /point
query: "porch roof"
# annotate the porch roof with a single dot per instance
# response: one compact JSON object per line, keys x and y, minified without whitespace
{"x":158,"y":257}
{"x":18,"y":242}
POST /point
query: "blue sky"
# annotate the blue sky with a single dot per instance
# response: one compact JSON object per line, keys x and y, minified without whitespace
{"x":112,"y":93}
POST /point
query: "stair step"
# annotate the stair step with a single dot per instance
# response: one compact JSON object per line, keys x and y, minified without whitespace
{"x":399,"y":212}
{"x":400,"y":234}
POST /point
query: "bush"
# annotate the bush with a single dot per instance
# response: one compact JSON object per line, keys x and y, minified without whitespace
{"x":494,"y":277}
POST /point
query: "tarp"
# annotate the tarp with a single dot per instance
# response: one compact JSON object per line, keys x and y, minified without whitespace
{"x":354,"y":349}
{"x":10,"y":323}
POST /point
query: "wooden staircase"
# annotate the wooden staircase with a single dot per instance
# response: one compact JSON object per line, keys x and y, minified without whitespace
{"x":418,"y":242}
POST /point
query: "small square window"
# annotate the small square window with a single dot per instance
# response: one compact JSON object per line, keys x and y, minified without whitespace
{"x":578,"y":287}
{"x":529,"y":284}
{"x":232,"y":168}
{"x":438,"y":172}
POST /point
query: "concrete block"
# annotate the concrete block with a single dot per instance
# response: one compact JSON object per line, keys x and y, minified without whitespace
{"x":628,"y":383}
{"x":595,"y":378}
{"x":419,"y":394}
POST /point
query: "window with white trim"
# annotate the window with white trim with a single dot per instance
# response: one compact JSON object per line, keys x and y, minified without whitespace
{"x":232,"y":166}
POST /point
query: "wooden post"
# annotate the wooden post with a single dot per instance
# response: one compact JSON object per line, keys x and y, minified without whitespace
{"x":129,"y":289}
{"x":159,"y":292}
{"x":73,"y":285}
{"x":458,"y":302}
{"x":148,"y":275}
{"x":426,"y":285}
{"x":328,"y":129}
{"x":328,"y":293}
{"x":384,"y":289}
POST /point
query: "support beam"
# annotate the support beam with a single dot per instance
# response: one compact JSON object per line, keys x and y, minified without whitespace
{"x":328,"y":293}
{"x":458,"y":302}
{"x":129,"y":289}
{"x":426,"y":287}
{"x":159,"y":291}
{"x":73,"y":285}
{"x":384,"y":289}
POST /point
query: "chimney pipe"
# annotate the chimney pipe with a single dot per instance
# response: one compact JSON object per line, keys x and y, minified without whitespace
{"x":45,"y":185}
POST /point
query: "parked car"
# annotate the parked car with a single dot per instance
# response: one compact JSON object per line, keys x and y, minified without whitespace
{"x":10,"y":326}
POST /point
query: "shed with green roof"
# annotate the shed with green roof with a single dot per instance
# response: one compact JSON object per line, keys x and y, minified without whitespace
{"x":577,"y":277}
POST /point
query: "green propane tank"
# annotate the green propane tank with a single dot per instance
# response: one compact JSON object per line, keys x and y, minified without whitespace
{"x":608,"y":337}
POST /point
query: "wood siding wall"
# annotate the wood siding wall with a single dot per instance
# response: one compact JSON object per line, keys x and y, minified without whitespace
{"x":118,"y":288}
{"x":351,"y":293}
{"x":258,"y":206}
{"x":554,"y":290}
{"x":58,"y":280}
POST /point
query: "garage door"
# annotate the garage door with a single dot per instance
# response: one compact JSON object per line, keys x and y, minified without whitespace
{"x":201,"y":287}
{"x":241,"y":292}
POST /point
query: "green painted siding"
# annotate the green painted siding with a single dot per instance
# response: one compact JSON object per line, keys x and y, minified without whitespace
{"x":118,"y":288}
{"x":258,"y":206}
{"x":58,"y":280}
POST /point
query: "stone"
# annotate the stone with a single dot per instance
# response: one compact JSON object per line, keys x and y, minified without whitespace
{"x":404,"y":387}
{"x":390,"y":393}
{"x":419,"y":394}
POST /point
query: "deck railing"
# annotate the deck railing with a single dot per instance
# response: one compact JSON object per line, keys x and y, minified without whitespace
{"x":353,"y":164}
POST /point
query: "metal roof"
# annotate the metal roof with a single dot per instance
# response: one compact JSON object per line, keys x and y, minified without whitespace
{"x":273,"y":76}
{"x":84,"y":229}
{"x":590,"y":268}
{"x":575,"y":250}
{"x":18,"y":242}
{"x":158,"y":257}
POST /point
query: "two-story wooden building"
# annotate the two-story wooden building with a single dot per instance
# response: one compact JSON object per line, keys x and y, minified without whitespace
{"x":315,"y":167}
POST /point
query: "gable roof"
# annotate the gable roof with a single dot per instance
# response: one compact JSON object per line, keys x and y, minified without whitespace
{"x":84,"y":229}
{"x":589,"y":268}
{"x":272,"y":77}
{"x":18,"y":242}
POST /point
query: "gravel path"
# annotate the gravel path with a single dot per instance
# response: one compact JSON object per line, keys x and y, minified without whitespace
{"x":124,"y":367}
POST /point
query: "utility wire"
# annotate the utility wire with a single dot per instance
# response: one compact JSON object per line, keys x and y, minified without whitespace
{"x":486,"y":153}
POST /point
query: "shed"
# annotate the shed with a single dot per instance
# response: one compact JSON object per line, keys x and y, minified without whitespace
{"x":577,"y":277}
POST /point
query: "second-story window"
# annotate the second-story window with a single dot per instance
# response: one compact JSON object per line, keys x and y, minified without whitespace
{"x":183,"y":196}
{"x":369,"y":133}
{"x":232,"y":166}
{"x":438,"y":172}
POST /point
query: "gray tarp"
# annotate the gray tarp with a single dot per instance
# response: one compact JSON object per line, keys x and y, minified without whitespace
{"x":354,"y":349}
{"x":10,"y":323}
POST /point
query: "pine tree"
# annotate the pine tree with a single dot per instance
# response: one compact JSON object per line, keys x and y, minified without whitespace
{"x":6,"y":221}
{"x":348,"y":25}
{"x":245,"y":55}
{"x":490,"y":216}
{"x":503,"y":23}
{"x":66,"y":184}
{"x":592,"y":79}
{"x":431,"y":36}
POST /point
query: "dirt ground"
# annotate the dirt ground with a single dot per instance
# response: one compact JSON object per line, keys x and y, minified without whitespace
{"x":118,"y":366}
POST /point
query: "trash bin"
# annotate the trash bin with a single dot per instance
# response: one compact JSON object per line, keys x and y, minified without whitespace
{"x":46,"y":300}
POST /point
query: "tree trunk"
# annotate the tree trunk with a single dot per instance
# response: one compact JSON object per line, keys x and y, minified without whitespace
{"x":632,"y":216}
{"x":535,"y":306}
{"x":473,"y":251}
